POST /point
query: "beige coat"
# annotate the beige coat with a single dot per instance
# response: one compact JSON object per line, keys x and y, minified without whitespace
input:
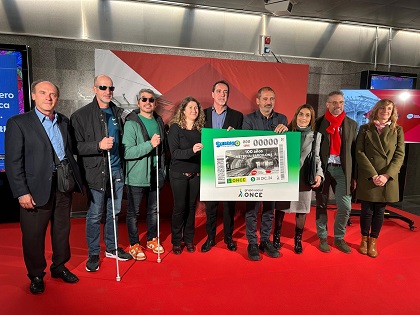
{"x":376,"y":155}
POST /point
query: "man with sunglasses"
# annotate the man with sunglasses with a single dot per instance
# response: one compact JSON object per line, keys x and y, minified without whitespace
{"x":337,"y":156}
{"x":144,"y":135}
{"x":97,"y":129}
{"x":221,"y":116}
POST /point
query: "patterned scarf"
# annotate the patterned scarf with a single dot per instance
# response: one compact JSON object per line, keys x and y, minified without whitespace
{"x":380,"y":126}
{"x":332,"y":129}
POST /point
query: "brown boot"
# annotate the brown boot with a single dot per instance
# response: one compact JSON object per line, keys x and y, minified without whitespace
{"x":372,"y":252}
{"x":363,"y":245}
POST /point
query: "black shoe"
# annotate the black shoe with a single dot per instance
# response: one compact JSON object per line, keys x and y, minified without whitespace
{"x":298,"y":244}
{"x":276,"y":239}
{"x":253,"y":252}
{"x":37,"y":285}
{"x":66,"y":275}
{"x":92,"y":263}
{"x":120,"y":253}
{"x":177,"y":250}
{"x":298,"y":241}
{"x":190,"y":248}
{"x":267,"y":246}
{"x":208,"y":245}
{"x":230,"y":244}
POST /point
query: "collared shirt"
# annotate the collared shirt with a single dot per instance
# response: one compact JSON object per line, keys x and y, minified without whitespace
{"x":53,"y":133}
{"x":218,"y":119}
{"x":335,"y":159}
{"x":267,"y":122}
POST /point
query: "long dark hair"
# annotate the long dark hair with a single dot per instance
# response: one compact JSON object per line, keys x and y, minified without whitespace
{"x":293,"y":123}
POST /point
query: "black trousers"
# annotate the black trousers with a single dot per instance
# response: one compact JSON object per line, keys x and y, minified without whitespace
{"x":228,"y":218}
{"x":371,"y":218}
{"x":34,"y":223}
{"x":185,"y":191}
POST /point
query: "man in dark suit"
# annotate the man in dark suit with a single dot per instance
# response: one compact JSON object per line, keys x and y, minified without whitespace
{"x":36,"y":144}
{"x":221,"y":116}
{"x":337,"y":156}
{"x":264,"y":118}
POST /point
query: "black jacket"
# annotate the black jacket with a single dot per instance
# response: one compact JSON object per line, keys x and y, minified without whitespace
{"x":255,"y":121}
{"x":233,"y":118}
{"x":88,"y":126}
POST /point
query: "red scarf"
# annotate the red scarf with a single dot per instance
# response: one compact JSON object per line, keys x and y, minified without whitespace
{"x":335,"y":139}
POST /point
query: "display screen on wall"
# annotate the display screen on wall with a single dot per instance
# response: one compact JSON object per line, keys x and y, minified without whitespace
{"x":384,"y":80}
{"x":14,"y":87}
{"x":359,"y":103}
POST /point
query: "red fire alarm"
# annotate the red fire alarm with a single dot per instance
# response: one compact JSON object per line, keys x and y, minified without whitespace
{"x":264,"y":44}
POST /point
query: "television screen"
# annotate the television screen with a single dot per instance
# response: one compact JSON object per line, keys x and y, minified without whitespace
{"x":383,"y":80}
{"x":14,"y":87}
{"x":358,"y":104}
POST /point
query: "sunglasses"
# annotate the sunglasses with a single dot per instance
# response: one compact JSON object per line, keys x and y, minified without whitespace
{"x":104,"y":87}
{"x":144,"y":99}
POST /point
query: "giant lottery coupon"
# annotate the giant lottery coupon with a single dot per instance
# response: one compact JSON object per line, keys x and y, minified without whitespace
{"x":241,"y":165}
{"x":249,"y":161}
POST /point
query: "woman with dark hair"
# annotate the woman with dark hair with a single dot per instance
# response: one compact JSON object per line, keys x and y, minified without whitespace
{"x":184,"y":138}
{"x":379,"y":156}
{"x":304,"y":122}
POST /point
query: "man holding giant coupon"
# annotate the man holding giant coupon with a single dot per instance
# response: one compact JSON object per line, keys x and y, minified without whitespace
{"x":252,"y":165}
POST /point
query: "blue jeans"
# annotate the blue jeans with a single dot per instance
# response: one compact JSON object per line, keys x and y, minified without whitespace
{"x":135,"y":195}
{"x":251,"y":215}
{"x":94,"y":214}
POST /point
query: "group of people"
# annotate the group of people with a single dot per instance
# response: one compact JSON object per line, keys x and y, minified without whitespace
{"x":115,"y":147}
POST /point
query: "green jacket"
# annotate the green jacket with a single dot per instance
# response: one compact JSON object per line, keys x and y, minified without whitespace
{"x":138,"y":151}
{"x":376,"y":155}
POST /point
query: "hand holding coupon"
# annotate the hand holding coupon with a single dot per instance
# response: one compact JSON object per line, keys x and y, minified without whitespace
{"x":197,"y":147}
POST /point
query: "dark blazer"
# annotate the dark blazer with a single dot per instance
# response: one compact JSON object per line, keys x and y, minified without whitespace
{"x":233,"y":118}
{"x":254,"y":121}
{"x":29,"y":158}
{"x":348,"y":144}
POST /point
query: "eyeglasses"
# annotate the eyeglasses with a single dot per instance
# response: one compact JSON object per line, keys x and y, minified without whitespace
{"x":336,"y":103}
{"x":104,"y":87}
{"x":144,"y":99}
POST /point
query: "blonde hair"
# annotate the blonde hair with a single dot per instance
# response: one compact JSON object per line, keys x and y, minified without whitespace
{"x":179,"y":117}
{"x":381,"y":104}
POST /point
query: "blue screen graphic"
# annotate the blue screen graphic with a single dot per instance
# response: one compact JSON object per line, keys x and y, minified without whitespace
{"x":384,"y":82}
{"x":11,"y":92}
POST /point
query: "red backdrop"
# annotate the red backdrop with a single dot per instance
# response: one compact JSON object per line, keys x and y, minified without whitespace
{"x":177,"y":77}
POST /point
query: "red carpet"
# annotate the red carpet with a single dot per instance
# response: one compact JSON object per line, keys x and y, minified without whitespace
{"x":222,"y":282}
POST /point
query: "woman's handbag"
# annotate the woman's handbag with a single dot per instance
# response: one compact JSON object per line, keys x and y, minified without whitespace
{"x":309,"y":166}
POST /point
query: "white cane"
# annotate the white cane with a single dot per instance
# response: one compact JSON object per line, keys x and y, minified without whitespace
{"x":118,"y":278}
{"x":157,"y":202}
